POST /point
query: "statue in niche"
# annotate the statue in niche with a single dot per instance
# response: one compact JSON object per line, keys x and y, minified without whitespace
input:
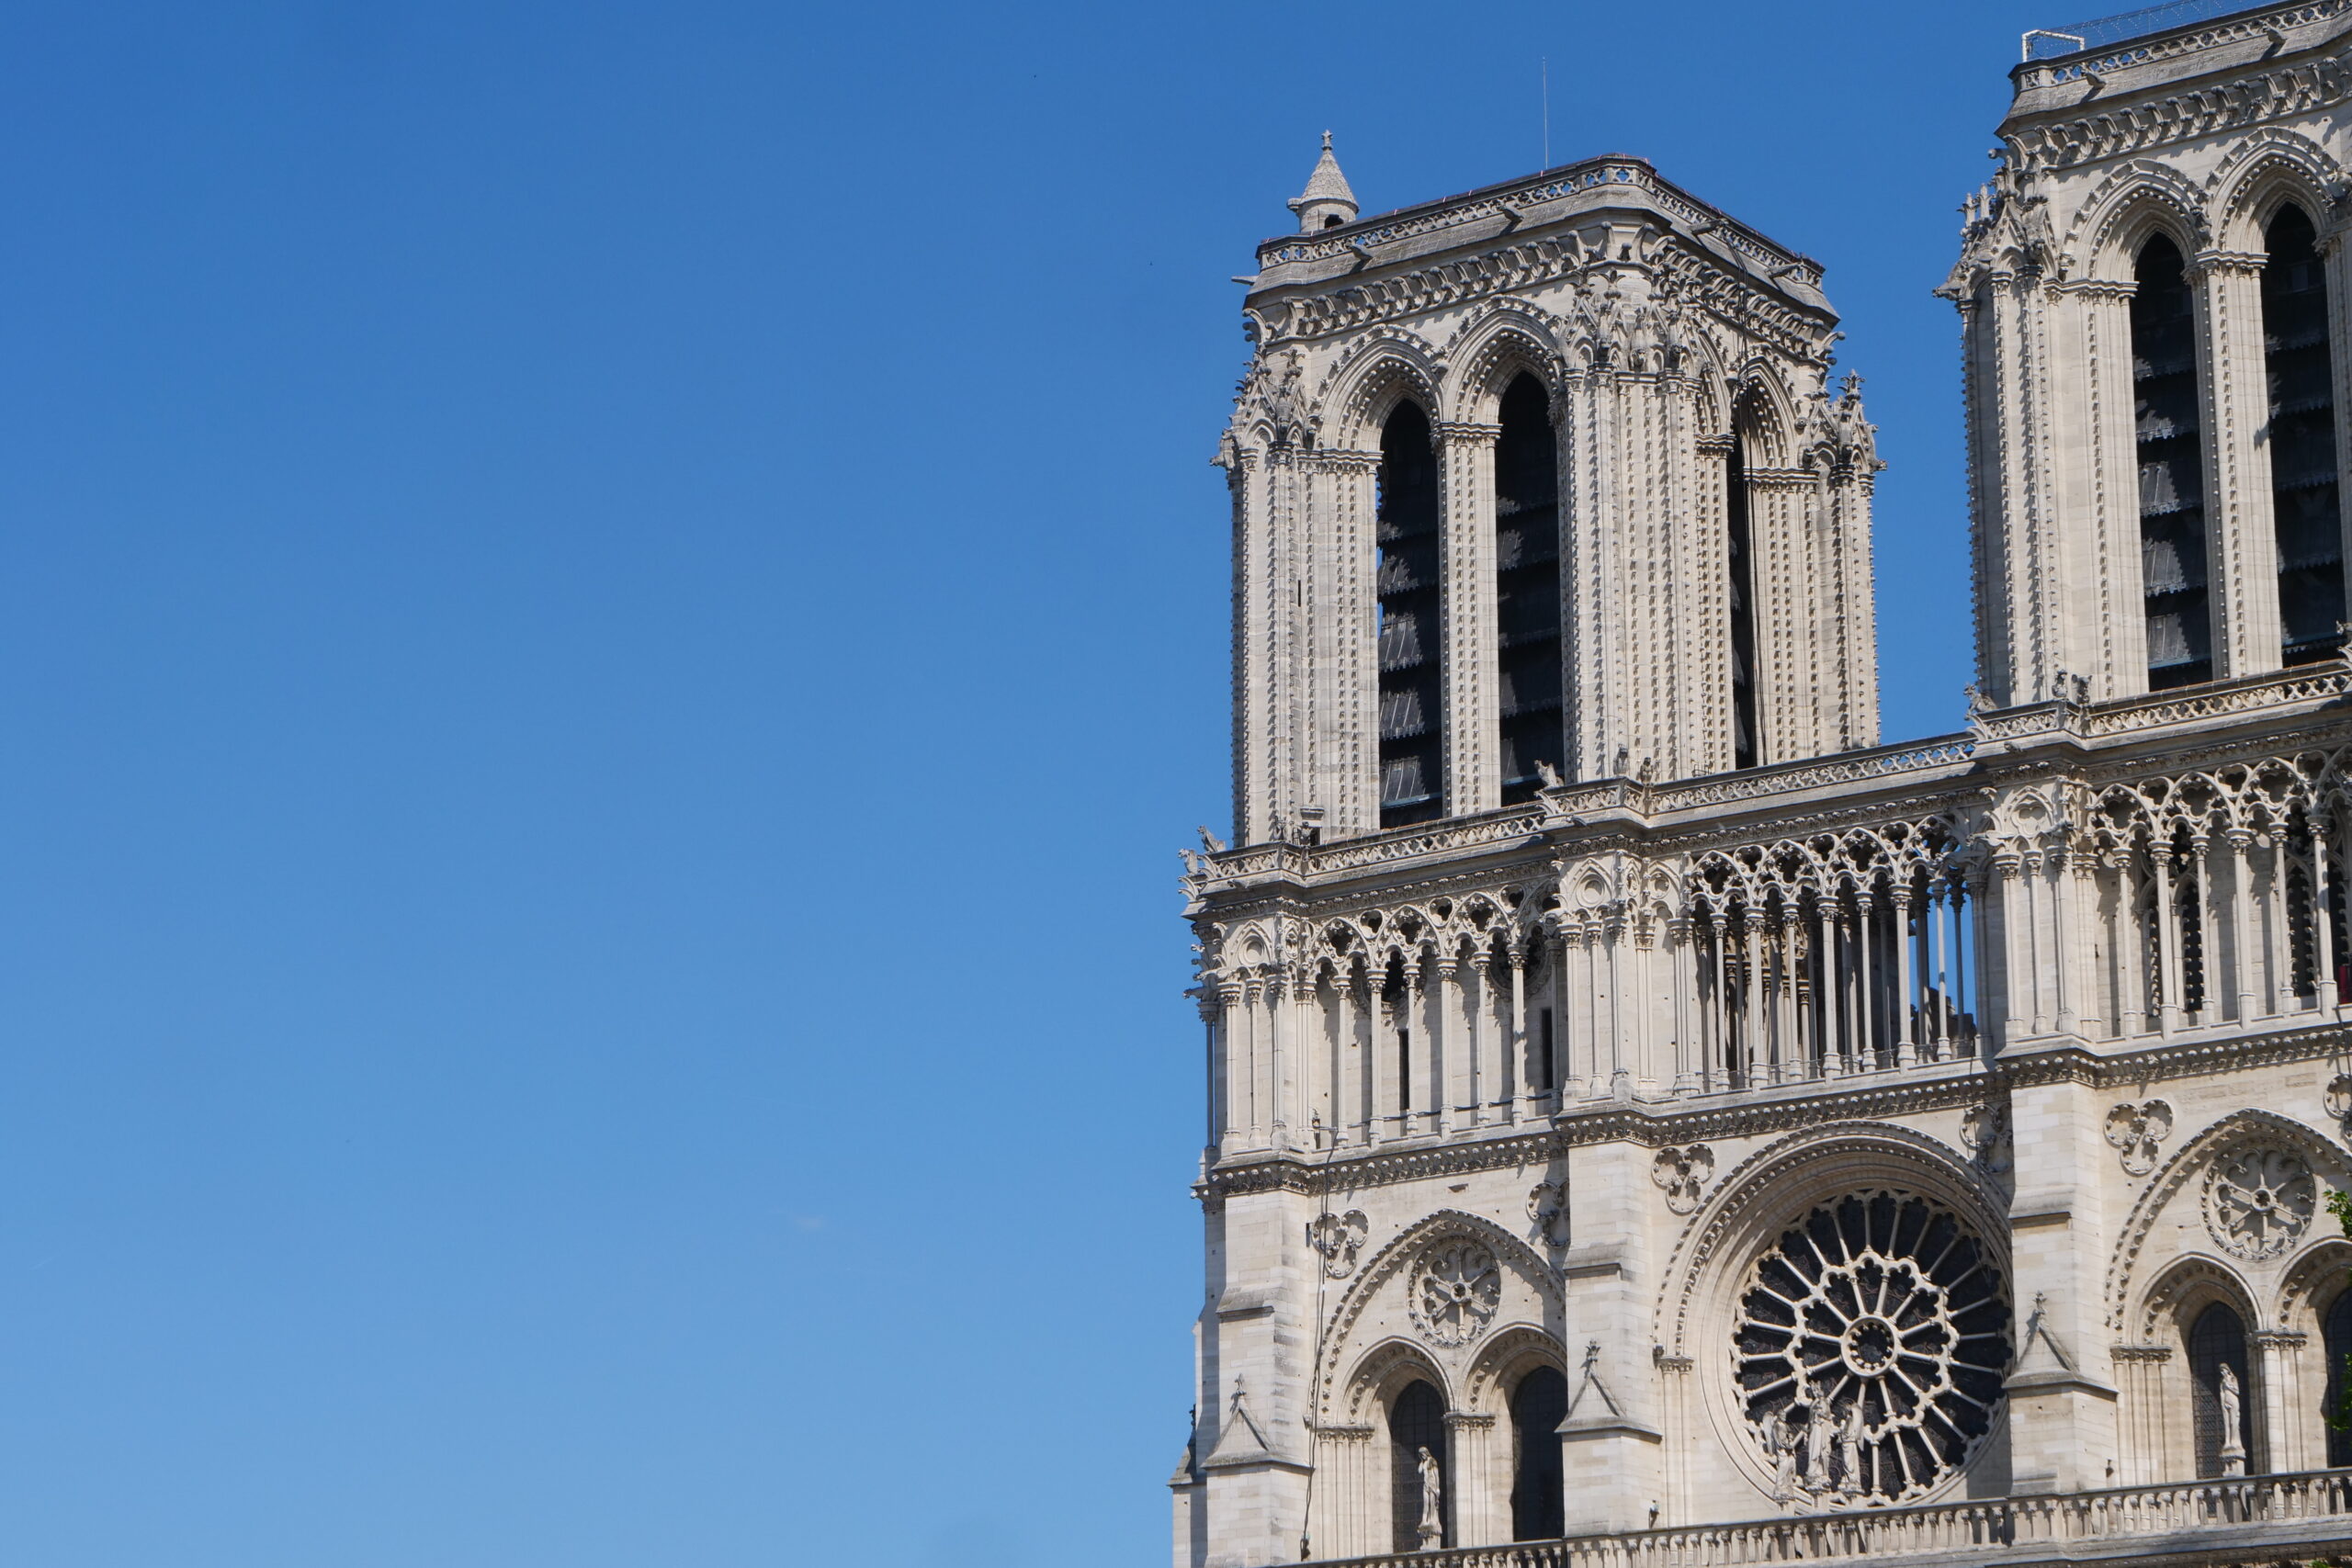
{"x":2233,"y":1402}
{"x":1784,"y":1437}
{"x":1433,"y":1527}
{"x":1850,"y":1447}
{"x":1820,"y":1437}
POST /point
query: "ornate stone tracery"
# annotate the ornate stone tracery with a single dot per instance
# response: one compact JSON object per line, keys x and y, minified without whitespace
{"x":1872,"y":1340}
{"x":2259,"y":1200}
{"x":1458,"y":1286}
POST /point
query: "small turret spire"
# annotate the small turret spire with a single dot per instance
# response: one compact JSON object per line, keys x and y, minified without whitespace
{"x":1327,"y":202}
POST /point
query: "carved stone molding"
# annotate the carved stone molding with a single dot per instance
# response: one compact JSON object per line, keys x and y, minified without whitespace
{"x":2259,"y":1199}
{"x":1338,"y":1237}
{"x":1456,"y":1288}
{"x":1547,"y":1205}
{"x":1985,"y":1133}
{"x":1682,"y":1175}
{"x":2136,"y":1130}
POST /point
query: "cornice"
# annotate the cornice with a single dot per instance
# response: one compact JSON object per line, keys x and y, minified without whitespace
{"x":2097,"y":127}
{"x":1873,"y":1098}
{"x":1310,"y":311}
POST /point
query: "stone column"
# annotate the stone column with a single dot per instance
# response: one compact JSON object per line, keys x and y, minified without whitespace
{"x":2288,"y":1410}
{"x":1344,"y":1512}
{"x":1476,"y":1519}
{"x":1232,"y":1035}
{"x":2241,"y":544}
{"x":2140,"y":1369}
{"x":1346,"y":700}
{"x":1472,"y":757}
{"x":1448,"y":1078}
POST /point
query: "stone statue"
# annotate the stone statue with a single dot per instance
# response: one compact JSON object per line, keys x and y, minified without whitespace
{"x":1784,"y":1436}
{"x":1547,"y":773}
{"x":1850,"y":1447}
{"x":1820,"y":1436}
{"x":1432,"y":1530}
{"x":2233,"y":1422}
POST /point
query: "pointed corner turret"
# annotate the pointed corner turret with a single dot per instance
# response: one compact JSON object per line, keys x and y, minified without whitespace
{"x":1327,"y":202}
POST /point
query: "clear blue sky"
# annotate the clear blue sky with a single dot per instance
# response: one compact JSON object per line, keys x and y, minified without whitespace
{"x":611,"y":618}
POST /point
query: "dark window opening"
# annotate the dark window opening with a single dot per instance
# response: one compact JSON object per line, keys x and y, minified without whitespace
{"x":1537,"y":1408}
{"x":2217,"y":1339}
{"x":2172,"y":472}
{"x":1404,"y":1071}
{"x":1331,"y":221}
{"x":1412,"y":685}
{"x":1543,"y":1062}
{"x":1417,"y":1421}
{"x":2303,"y":493}
{"x":1527,"y":591}
{"x":2336,"y":1344}
{"x":1743,"y":750}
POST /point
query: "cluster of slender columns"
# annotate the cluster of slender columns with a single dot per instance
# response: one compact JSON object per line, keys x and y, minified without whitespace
{"x":2179,"y":929}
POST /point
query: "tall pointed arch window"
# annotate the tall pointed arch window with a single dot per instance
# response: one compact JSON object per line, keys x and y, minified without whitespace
{"x":1538,"y":1405}
{"x":2336,"y":1344}
{"x":1740,"y":557}
{"x":2303,"y":495}
{"x":1527,"y":590}
{"x":2217,"y":1360}
{"x":2172,"y":470}
{"x":1412,"y":675}
{"x":1416,"y":1423}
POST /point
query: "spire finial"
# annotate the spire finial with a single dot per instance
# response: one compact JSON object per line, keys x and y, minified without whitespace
{"x":1327,"y":202}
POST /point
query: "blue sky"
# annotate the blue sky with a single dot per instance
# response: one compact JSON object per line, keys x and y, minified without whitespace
{"x":611,"y":618}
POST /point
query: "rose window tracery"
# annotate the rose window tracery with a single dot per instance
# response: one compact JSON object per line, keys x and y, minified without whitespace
{"x":2259,"y":1200}
{"x":1456,"y":1290}
{"x":1872,"y":1340}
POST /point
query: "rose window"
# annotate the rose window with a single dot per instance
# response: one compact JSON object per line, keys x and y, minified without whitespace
{"x":2259,"y":1200}
{"x":1456,"y":1290}
{"x":1872,"y":1342}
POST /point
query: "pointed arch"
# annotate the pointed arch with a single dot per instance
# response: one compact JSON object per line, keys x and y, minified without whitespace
{"x":2190,"y":1158}
{"x":2263,"y":172}
{"x":1363,"y":389}
{"x":1537,"y":1301}
{"x":1493,"y":347}
{"x":2142,"y":197}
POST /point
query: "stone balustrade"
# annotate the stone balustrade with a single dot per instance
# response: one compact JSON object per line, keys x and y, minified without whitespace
{"x":2188,"y":1519}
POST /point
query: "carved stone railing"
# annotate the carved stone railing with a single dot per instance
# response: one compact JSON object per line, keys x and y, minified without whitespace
{"x":1553,"y":184}
{"x":2053,"y":62}
{"x":2258,"y":1511}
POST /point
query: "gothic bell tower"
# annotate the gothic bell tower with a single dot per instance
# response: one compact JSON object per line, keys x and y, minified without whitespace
{"x":1649,"y":1122}
{"x":1546,"y":480}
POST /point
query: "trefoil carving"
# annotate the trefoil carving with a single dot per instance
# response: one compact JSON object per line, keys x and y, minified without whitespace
{"x":1338,"y":1237}
{"x":2136,"y":1130}
{"x":1683,"y":1174}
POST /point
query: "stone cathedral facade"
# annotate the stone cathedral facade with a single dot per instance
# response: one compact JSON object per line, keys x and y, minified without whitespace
{"x":1652,"y":1121}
